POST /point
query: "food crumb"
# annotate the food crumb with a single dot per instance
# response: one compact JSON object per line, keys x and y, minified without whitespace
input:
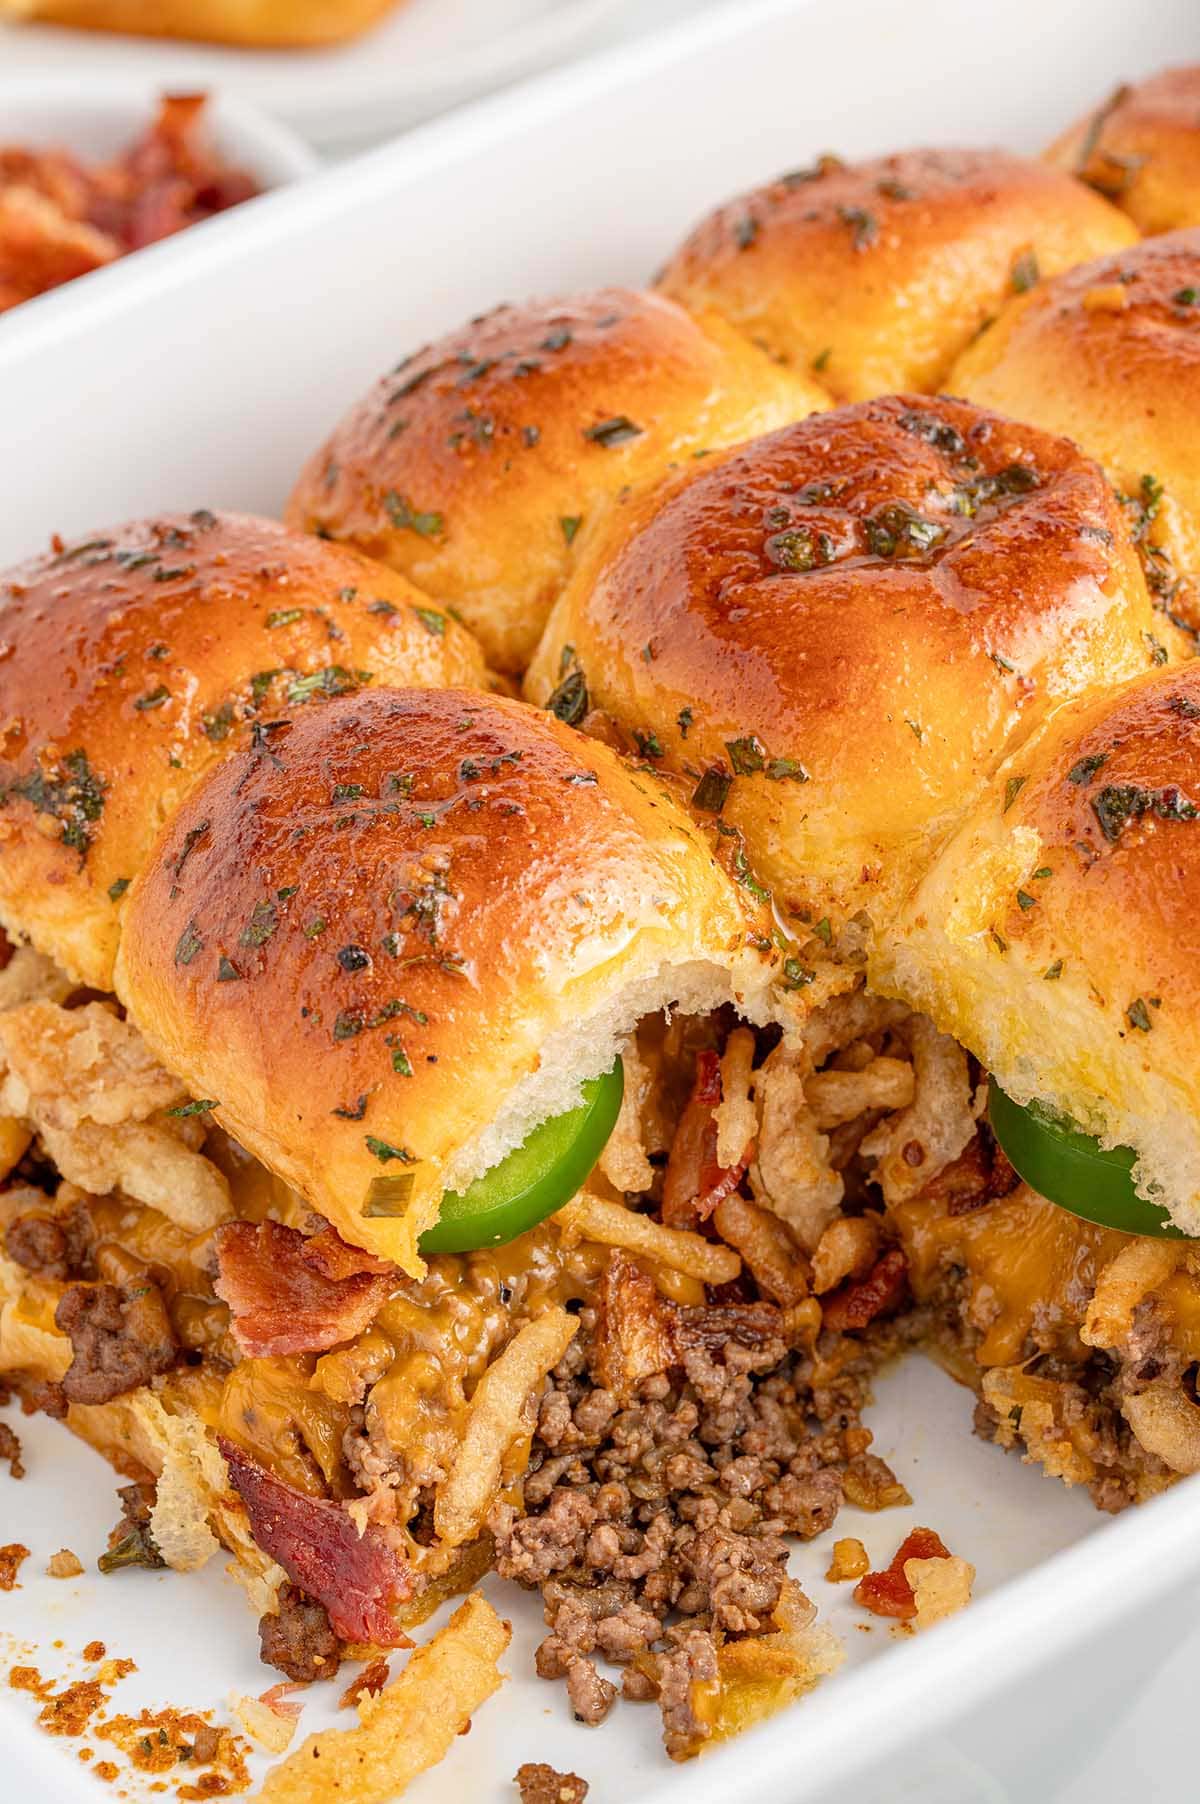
{"x":372,"y":1678}
{"x":940,"y":1587}
{"x":95,"y":1650}
{"x":849,"y":1560}
{"x":11,"y":1557}
{"x":10,"y":1450}
{"x":923,"y":1582}
{"x":28,"y":1678}
{"x":542,"y":1784}
{"x":64,"y":1564}
{"x":104,"y":1769}
{"x":68,"y":1712}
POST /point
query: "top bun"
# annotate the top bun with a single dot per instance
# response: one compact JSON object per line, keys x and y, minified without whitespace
{"x":1110,"y":354}
{"x":137,"y":657}
{"x":1058,"y":935}
{"x":875,"y":275}
{"x":1141,"y":149}
{"x":403,"y":931}
{"x":474,"y":465}
{"x":839,"y":630}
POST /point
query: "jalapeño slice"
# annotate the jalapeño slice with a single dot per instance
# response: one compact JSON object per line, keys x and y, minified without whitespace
{"x":535,"y":1179}
{"x":1062,"y":1163}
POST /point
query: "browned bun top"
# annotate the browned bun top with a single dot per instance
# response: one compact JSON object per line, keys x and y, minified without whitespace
{"x":135,"y":658}
{"x":1141,"y":149}
{"x":474,"y":465}
{"x":847,"y":624}
{"x":253,"y":23}
{"x":1110,"y":354}
{"x":398,"y":930}
{"x":875,"y":275}
{"x":1059,"y":933}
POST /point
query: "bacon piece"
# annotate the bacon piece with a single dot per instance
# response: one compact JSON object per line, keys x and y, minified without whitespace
{"x":289,"y":1294}
{"x":857,"y":1302}
{"x":888,"y":1593}
{"x":639,"y":1332}
{"x":694,"y":1183}
{"x":356,"y":1577}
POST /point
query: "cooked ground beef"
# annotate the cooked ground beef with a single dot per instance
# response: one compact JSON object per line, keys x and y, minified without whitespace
{"x":297,"y":1640}
{"x":649,"y":1524}
{"x":120,"y":1335}
{"x":10,"y":1450}
{"x":53,"y":1246}
{"x":542,"y":1784}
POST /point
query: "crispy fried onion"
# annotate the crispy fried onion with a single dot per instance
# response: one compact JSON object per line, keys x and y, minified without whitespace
{"x":495,"y":1419}
{"x":791,"y":1173}
{"x":86,"y":1083}
{"x":623,"y":1161}
{"x":912,"y":1146}
{"x":408,"y":1727}
{"x":1166,"y":1422}
{"x":1126,"y":1281}
{"x":291,"y":1293}
{"x":612,"y":1224}
{"x":356,"y":1576}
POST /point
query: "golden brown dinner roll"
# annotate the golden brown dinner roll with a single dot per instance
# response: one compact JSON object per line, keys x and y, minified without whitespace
{"x":255,"y":23}
{"x":474,"y":466}
{"x":1109,"y":353}
{"x":135,"y":658}
{"x":1058,"y":934}
{"x":400,"y":933}
{"x":875,"y":275}
{"x":839,"y":630}
{"x":1141,"y":148}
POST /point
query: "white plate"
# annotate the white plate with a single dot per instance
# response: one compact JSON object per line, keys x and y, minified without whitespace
{"x":427,"y":56}
{"x":201,"y":375}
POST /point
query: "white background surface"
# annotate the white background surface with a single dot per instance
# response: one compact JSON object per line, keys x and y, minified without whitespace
{"x":1126,"y":1745}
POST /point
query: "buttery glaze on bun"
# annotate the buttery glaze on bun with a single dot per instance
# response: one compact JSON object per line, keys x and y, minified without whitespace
{"x":1110,"y":354}
{"x":1058,"y":935}
{"x":875,"y":275}
{"x":136,"y":658}
{"x":474,"y":466}
{"x":839,"y":630}
{"x":261,"y":24}
{"x":403,"y":930}
{"x":1142,"y":150}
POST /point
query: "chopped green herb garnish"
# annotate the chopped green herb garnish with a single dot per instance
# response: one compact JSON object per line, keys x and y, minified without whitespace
{"x":185,"y":1109}
{"x":284,"y":616}
{"x":406,"y":518}
{"x":1012,"y":790}
{"x":117,"y":890}
{"x":569,"y":525}
{"x":432,"y":621}
{"x":614,"y":431}
{"x":384,"y":1151}
{"x":154,"y":698}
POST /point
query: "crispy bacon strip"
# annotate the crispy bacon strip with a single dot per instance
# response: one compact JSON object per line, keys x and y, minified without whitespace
{"x":856,"y":1303}
{"x":292,"y":1294}
{"x":694,"y":1182}
{"x":357,"y":1577}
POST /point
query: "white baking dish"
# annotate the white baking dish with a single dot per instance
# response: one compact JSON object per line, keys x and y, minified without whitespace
{"x":201,"y":377}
